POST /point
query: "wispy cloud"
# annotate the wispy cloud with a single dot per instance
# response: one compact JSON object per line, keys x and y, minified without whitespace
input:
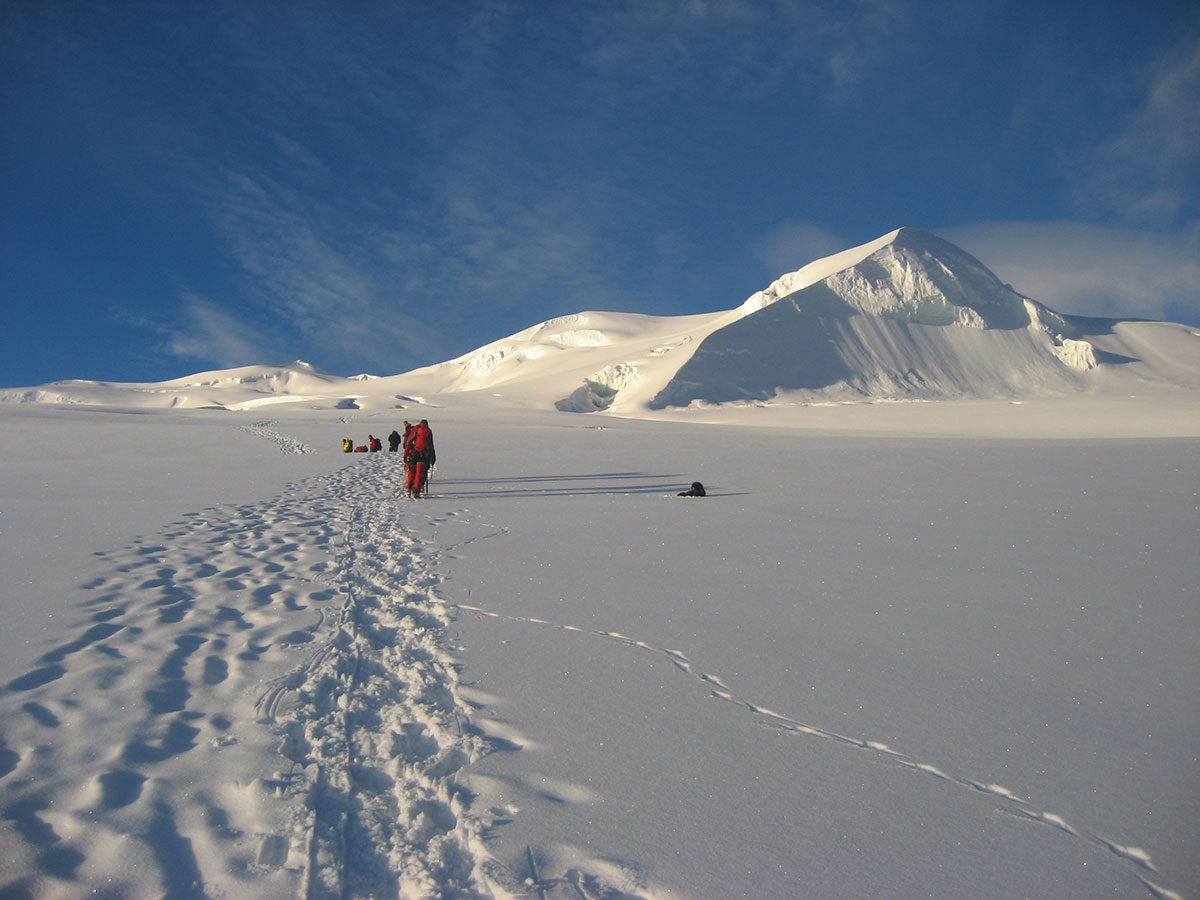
{"x":384,"y":185}
{"x":795,"y":244}
{"x":867,"y":39}
{"x":313,"y":276}
{"x":1147,"y":171}
{"x":747,"y":47}
{"x":211,"y":332}
{"x":1136,"y":250}
{"x":379,"y":228}
{"x":1091,"y":269}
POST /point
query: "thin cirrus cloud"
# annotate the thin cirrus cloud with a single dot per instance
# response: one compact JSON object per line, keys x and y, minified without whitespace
{"x":384,"y":186}
{"x":1148,"y":170}
{"x":1139,"y":255}
{"x":474,"y":202}
{"x":386,"y":225}
{"x":1093,"y":270}
{"x":310,"y":279}
{"x":212,"y":332}
{"x":747,"y":47}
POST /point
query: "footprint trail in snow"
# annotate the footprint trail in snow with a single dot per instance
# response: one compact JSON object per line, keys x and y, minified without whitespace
{"x":261,"y":700}
{"x":1139,"y":860}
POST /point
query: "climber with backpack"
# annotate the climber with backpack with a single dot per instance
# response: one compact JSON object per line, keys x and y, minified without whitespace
{"x":419,"y":456}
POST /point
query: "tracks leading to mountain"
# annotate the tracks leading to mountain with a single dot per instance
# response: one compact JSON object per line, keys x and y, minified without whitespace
{"x":259,"y":697}
{"x":380,"y":731}
{"x":262,"y":700}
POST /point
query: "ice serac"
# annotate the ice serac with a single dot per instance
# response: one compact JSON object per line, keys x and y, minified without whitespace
{"x":599,"y":391}
{"x":908,"y":316}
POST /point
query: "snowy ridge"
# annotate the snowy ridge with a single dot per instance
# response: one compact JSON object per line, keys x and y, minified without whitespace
{"x":906,"y":317}
{"x":243,"y":388}
{"x":816,"y":271}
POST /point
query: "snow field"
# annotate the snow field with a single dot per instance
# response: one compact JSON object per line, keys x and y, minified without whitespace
{"x":968,"y":605}
{"x":866,"y":665}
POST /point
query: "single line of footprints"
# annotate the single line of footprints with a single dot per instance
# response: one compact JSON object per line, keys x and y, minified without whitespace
{"x":1139,"y":860}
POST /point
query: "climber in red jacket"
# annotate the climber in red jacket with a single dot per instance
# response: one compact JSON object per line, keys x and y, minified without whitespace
{"x":419,"y":455}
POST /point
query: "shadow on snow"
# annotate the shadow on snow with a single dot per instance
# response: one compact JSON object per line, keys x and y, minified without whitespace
{"x":610,"y":483}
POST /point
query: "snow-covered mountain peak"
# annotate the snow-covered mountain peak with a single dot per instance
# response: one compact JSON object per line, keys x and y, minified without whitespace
{"x":815,"y":271}
{"x":907,"y":316}
{"x":904,"y":317}
{"x":908,"y":273}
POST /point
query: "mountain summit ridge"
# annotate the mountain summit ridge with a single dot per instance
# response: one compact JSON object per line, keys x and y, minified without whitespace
{"x":907,"y":316}
{"x":901,"y":259}
{"x":891,"y":319}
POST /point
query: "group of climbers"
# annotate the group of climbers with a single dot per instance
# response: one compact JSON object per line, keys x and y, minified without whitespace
{"x":419,"y":455}
{"x":372,"y":445}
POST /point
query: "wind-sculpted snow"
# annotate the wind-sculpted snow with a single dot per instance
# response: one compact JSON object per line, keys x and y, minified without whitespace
{"x":298,"y":648}
{"x":584,"y":337}
{"x":485,"y":362}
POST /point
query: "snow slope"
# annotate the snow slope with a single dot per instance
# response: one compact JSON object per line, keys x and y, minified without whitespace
{"x":905,"y":317}
{"x":242,"y":388}
{"x":236,"y":664}
{"x":908,"y":317}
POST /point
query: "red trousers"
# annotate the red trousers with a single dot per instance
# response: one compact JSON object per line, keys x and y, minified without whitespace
{"x":416,"y":476}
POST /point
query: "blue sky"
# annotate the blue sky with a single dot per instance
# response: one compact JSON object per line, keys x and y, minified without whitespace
{"x":374,"y":186}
